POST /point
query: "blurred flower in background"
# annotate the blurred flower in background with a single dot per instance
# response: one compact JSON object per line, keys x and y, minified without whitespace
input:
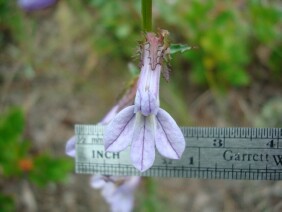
{"x":117,"y":191}
{"x":30,"y":5}
{"x":70,"y":147}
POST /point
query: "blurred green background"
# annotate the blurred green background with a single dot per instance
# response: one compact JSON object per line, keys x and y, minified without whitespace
{"x":69,"y":63}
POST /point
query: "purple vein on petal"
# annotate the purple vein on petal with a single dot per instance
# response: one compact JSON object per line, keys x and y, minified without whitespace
{"x":167,"y":137}
{"x":143,"y":144}
{"x":121,"y":131}
{"x":149,"y":103}
{"x":118,"y":133}
{"x":140,"y":100}
{"x":142,"y":157}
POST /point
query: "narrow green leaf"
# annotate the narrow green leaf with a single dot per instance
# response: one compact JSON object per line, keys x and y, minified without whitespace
{"x":175,"y":48}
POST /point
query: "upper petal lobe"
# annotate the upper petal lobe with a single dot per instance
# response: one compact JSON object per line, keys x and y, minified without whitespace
{"x":118,"y":134}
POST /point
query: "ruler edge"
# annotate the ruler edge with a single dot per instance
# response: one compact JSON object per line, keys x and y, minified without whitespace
{"x":100,"y":128}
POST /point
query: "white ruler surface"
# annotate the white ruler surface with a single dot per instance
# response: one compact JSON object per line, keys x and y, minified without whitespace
{"x":211,"y":153}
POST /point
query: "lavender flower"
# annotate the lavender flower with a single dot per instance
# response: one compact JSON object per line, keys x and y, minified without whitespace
{"x":30,"y":5}
{"x":145,"y":125}
{"x":117,"y":191}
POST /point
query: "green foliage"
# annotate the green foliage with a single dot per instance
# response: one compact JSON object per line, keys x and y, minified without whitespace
{"x":115,"y":28}
{"x":10,"y":22}
{"x":266,"y":22}
{"x":11,"y":144}
{"x":6,"y":203}
{"x":264,"y":18}
{"x":48,"y":169}
{"x":222,"y":54}
{"x":17,"y":161}
{"x":229,"y":37}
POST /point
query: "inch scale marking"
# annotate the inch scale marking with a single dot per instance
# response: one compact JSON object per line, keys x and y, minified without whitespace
{"x":211,"y":153}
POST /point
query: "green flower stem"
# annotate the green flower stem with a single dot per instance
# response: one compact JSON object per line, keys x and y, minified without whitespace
{"x":147,"y":15}
{"x":151,"y":200}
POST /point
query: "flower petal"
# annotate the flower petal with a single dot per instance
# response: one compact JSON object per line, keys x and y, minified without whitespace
{"x":143,"y":143}
{"x":118,"y":134}
{"x":122,"y":202}
{"x":170,"y":141}
{"x":130,"y":184}
{"x":30,"y":5}
{"x":108,"y":191}
{"x":123,"y":197}
{"x":97,"y":181}
{"x":70,"y":146}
